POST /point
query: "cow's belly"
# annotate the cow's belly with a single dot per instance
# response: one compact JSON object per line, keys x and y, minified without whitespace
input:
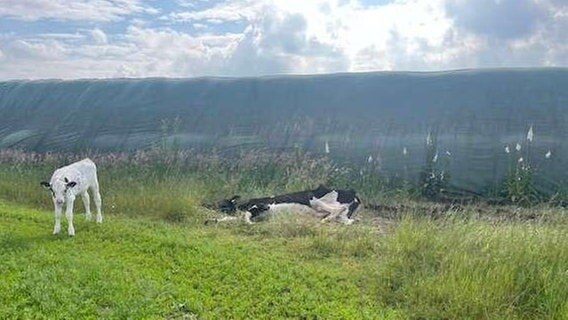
{"x":328,"y":206}
{"x":294,"y":208}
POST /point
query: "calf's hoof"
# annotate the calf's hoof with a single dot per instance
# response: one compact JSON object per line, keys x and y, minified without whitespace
{"x":209,"y":221}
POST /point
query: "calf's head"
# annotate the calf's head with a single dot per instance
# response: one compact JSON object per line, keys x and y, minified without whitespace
{"x":229,"y":205}
{"x":59,"y":189}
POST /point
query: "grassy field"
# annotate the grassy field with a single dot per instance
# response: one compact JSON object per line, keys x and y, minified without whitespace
{"x":154,"y":258}
{"x":135,"y":268}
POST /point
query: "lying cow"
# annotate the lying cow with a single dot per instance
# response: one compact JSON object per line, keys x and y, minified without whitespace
{"x":328,"y":204}
{"x":68,"y":182}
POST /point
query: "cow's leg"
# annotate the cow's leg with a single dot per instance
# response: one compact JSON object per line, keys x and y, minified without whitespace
{"x":87,"y":203}
{"x":353,"y":207}
{"x":98,"y":201}
{"x":335,"y":212}
{"x":57,"y":226}
{"x":227,"y":218}
{"x":69,"y":215}
{"x":344,"y":218}
{"x":321,"y":213}
{"x":248,"y":216}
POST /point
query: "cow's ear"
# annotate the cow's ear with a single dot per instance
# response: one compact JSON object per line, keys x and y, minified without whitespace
{"x":71,"y":184}
{"x":45,"y":184}
{"x":235,"y":199}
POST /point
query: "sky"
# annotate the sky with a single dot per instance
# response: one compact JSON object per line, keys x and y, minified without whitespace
{"x":70,"y":39}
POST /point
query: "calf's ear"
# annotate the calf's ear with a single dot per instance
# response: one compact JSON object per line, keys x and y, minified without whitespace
{"x":71,"y":184}
{"x":235,"y":199}
{"x":45,"y":184}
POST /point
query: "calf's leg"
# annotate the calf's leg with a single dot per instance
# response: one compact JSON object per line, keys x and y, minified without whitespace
{"x":87,"y":203}
{"x":57,"y":226}
{"x":335,"y":213}
{"x":69,"y":216}
{"x":98,"y":202}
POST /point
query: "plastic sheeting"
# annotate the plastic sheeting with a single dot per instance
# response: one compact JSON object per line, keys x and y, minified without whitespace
{"x":471,"y":116}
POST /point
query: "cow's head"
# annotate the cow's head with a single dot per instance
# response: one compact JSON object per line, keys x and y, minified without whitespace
{"x":59,"y":189}
{"x":229,"y":205}
{"x":255,"y":208}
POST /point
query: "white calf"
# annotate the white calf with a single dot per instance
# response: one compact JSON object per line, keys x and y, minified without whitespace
{"x":68,"y":182}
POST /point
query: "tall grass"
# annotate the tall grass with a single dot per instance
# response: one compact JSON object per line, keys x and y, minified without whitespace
{"x":450,"y":267}
{"x":475,"y":270}
{"x":174,"y":185}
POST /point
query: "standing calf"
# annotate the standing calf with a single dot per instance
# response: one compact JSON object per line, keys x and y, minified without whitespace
{"x":329,"y":204}
{"x":68,"y":182}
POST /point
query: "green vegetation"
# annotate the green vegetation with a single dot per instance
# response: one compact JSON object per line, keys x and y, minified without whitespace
{"x":134,"y":268}
{"x":174,"y":185}
{"x":153,"y":257}
{"x":475,"y":270}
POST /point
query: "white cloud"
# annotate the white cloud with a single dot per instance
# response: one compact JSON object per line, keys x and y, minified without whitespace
{"x":273,"y":36}
{"x":81,"y":10}
{"x":222,"y":12}
{"x":41,"y":50}
{"x":99,"y":36}
{"x":141,"y":52}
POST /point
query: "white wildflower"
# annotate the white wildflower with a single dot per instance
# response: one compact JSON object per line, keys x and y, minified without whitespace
{"x":429,"y":139}
{"x":404,"y":151}
{"x":448,"y":153}
{"x":326,"y":147}
{"x":530,"y":134}
{"x":548,"y":154}
{"x":507,"y":149}
{"x":521,"y":159}
{"x":518,"y":147}
{"x":435,"y":157}
{"x":370,"y":159}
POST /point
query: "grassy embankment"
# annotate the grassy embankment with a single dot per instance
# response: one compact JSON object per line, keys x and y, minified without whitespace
{"x":154,"y":258}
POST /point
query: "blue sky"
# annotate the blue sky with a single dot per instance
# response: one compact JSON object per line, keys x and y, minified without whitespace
{"x":187,"y":38}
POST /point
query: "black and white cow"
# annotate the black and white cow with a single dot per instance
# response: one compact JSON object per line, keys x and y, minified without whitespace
{"x":325,"y":203}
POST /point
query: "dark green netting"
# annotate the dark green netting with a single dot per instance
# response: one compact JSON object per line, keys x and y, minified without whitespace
{"x":472,"y":115}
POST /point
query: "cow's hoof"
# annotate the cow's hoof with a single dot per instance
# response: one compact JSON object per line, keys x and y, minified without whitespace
{"x":209,"y":221}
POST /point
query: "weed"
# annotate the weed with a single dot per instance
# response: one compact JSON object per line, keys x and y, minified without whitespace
{"x":518,"y":184}
{"x":434,"y":177}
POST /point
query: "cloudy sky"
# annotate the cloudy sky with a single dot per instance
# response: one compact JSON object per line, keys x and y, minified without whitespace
{"x":187,"y":38}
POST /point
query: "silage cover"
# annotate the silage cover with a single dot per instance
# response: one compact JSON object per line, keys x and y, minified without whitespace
{"x":469,"y":117}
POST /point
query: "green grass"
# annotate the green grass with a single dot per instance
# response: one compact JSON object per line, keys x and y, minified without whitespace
{"x":135,"y":268}
{"x":282,"y":268}
{"x":476,"y":270}
{"x":164,"y":188}
{"x":154,"y":258}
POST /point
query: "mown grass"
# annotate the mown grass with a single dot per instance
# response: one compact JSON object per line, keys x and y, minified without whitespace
{"x":154,"y":258}
{"x":136,"y":268}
